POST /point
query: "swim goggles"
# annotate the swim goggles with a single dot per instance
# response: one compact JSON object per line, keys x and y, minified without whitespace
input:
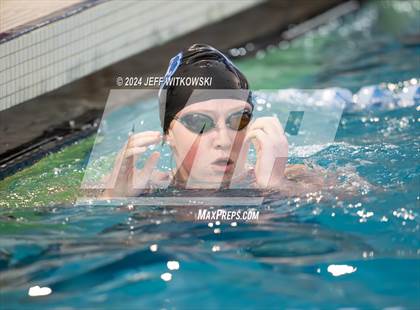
{"x":201,"y":123}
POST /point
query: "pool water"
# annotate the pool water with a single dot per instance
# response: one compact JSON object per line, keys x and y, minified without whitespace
{"x":311,"y":252}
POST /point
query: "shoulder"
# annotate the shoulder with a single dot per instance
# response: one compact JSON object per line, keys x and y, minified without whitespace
{"x":305,"y":174}
{"x":295,"y":170}
{"x":302,"y":179}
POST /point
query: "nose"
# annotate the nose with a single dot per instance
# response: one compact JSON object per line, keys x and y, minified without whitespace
{"x":222,"y":139}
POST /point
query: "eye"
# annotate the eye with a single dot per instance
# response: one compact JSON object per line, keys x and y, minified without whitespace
{"x":239,"y":120}
{"x":198,"y":123}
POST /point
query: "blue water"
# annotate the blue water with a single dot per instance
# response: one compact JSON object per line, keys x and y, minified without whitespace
{"x":94,"y":256}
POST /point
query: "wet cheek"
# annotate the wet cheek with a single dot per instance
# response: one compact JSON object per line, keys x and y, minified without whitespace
{"x":238,"y":142}
{"x":190,"y":157}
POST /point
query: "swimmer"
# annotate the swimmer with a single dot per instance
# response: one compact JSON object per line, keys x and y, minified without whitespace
{"x":209,"y":130}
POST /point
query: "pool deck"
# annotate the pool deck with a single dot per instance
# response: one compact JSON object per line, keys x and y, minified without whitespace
{"x":17,"y":17}
{"x":85,"y":92}
{"x":76,"y":38}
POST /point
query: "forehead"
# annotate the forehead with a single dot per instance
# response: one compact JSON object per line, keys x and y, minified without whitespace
{"x":216,"y":106}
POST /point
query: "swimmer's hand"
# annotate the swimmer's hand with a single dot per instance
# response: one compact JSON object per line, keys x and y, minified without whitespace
{"x":270,"y":142}
{"x":125,"y":179}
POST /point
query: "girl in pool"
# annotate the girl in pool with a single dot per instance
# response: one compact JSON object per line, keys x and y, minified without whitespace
{"x":210,"y":129}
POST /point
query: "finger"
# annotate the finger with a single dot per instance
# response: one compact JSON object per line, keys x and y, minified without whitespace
{"x":118,"y":164}
{"x":273,"y":128}
{"x":257,"y":134}
{"x":135,"y":159}
{"x":263,"y":137}
{"x":130,"y":162}
{"x":135,"y":151}
{"x":276,"y":123}
{"x":258,"y":138}
{"x":150,"y":164}
{"x":145,"y":174}
{"x":130,"y":157}
{"x":143,"y":141}
{"x":120,"y":155}
{"x":146,"y":134}
{"x":149,"y":132}
{"x":270,"y":125}
{"x":261,"y":123}
{"x":122,"y":163}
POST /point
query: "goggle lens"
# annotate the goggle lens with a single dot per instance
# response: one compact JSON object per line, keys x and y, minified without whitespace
{"x":201,"y":123}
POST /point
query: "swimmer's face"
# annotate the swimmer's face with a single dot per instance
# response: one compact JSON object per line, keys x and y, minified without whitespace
{"x":216,"y":155}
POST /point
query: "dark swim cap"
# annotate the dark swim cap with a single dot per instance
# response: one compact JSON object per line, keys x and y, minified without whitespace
{"x":200,"y":61}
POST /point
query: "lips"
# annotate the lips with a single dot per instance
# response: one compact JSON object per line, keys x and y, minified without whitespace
{"x":223,"y":164}
{"x":223,"y":161}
